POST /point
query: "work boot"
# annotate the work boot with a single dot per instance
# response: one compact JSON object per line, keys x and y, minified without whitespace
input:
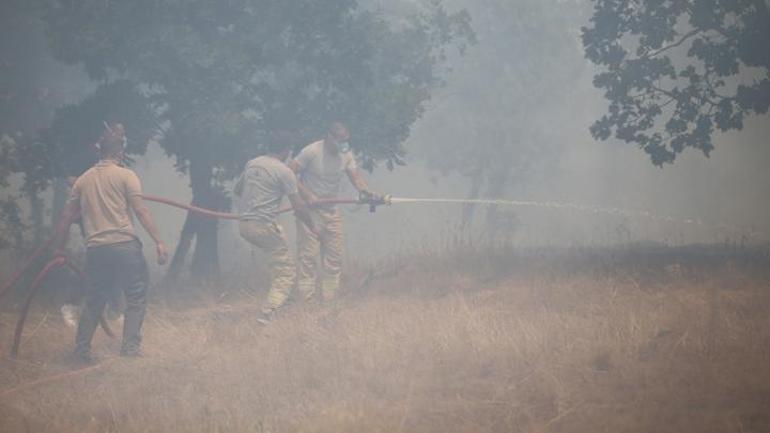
{"x":290,"y":300}
{"x":330,"y":285}
{"x":266,"y":316}
{"x":307,"y":291}
{"x":85,"y":358}
{"x":134,"y":352}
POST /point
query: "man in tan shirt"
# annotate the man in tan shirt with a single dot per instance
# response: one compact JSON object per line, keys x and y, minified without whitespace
{"x":265,"y":181}
{"x":75,"y":164}
{"x":105,"y":197}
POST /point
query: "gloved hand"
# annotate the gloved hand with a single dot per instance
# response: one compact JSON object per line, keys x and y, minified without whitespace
{"x":373,"y":199}
{"x":369,"y":197}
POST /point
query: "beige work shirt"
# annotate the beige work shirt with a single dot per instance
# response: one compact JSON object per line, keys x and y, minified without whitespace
{"x":262,"y":186}
{"x":103,"y":194}
{"x":321,"y":172}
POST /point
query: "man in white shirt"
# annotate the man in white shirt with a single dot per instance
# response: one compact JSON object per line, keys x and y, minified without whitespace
{"x":321,"y":167}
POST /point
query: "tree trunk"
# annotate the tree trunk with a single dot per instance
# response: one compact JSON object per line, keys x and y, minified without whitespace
{"x":205,"y":260}
{"x":185,"y":241}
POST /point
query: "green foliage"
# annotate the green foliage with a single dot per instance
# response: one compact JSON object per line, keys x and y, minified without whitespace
{"x":678,"y":71}
{"x":66,"y":147}
{"x":221,"y":75}
{"x":11,"y":226}
{"x":76,"y":127}
{"x":227,"y":73}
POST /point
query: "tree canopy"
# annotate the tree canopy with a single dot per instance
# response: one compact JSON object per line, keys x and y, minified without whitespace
{"x":676,"y":72}
{"x":229,"y":71}
{"x":221,"y":75}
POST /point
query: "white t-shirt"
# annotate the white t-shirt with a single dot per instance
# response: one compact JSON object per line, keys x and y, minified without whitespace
{"x":321,"y":172}
{"x":262,"y":186}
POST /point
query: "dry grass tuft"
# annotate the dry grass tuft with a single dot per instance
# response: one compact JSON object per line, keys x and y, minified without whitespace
{"x":575,"y":341}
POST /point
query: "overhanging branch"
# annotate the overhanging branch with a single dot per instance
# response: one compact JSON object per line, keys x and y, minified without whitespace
{"x":684,"y":38}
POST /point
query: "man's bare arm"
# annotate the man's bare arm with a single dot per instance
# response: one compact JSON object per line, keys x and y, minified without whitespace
{"x":301,"y":210}
{"x":145,"y":218}
{"x":357,"y":179}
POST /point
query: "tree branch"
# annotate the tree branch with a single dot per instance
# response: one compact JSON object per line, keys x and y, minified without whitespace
{"x":707,"y":79}
{"x":702,"y":98}
{"x":685,"y":37}
{"x":665,"y":92}
{"x":667,"y":103}
{"x":717,"y":29}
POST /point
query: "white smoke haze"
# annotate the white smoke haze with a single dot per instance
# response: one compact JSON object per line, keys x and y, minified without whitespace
{"x":598,"y":293}
{"x":507,"y":97}
{"x":725,"y":193}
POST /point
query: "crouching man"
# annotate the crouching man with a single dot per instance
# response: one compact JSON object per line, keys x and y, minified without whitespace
{"x":105,"y":196}
{"x":261,"y":188}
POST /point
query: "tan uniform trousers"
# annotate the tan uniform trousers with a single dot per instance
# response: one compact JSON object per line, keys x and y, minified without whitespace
{"x":329,"y":244}
{"x":269,"y":238}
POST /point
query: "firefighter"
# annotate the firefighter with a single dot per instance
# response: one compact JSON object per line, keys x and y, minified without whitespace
{"x":321,"y":167}
{"x":105,"y":196}
{"x":261,"y":188}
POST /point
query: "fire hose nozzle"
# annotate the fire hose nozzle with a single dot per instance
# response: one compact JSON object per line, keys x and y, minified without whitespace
{"x":374,"y":200}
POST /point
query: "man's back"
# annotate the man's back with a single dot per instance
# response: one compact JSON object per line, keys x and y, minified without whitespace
{"x":264,"y":183}
{"x":104,"y":192}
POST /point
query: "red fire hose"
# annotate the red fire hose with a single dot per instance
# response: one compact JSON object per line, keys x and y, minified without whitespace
{"x":61,"y":260}
{"x":231,"y":216}
{"x":195,"y":209}
{"x":53,"y":264}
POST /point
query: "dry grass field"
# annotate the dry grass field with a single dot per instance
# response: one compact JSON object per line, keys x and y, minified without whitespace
{"x":592,"y":340}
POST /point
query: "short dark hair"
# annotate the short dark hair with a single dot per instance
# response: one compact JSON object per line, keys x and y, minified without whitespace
{"x":110,"y":144}
{"x":337,"y":128}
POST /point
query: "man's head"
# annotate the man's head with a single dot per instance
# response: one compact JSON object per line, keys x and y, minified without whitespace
{"x":116,"y":128}
{"x":111,"y":147}
{"x":337,"y":137}
{"x":280,"y":143}
{"x":112,"y":142}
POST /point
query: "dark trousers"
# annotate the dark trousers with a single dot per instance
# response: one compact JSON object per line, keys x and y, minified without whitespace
{"x":109,"y":269}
